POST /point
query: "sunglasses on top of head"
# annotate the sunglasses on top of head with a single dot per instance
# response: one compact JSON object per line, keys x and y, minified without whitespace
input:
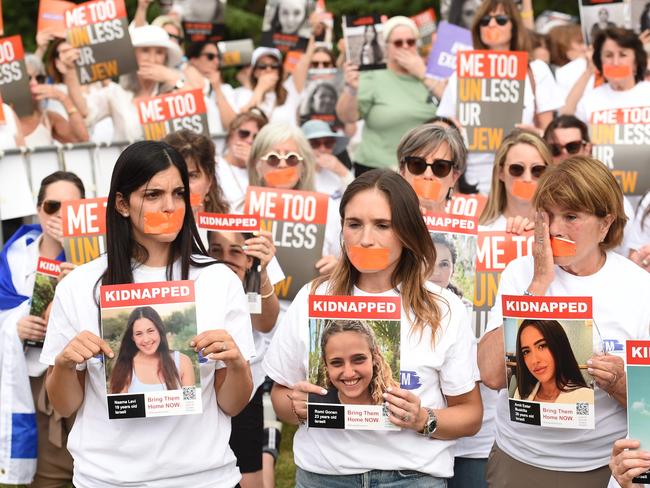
{"x":572,"y":147}
{"x":516,"y":170}
{"x":273,"y":159}
{"x":439,"y":167}
{"x":51,"y":207}
{"x":501,"y":20}
{"x":401,"y":42}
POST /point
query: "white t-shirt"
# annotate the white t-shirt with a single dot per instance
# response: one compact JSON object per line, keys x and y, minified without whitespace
{"x":621,"y":311}
{"x":113,"y":102}
{"x":567,"y":76}
{"x":166,"y":452}
{"x":9,"y":129}
{"x":328,"y":182}
{"x":544,"y":99}
{"x":233,"y":182}
{"x":639,"y":234}
{"x":449,"y":368}
{"x":499,"y":225}
{"x":604,"y":98}
{"x":214,"y":116}
{"x":287,"y":112}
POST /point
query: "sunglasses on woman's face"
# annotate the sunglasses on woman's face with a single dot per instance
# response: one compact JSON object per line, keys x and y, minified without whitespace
{"x":40,"y":79}
{"x":401,"y":42}
{"x":210,"y":56}
{"x":320,"y":64}
{"x":273,"y":159}
{"x":501,"y":20}
{"x":51,"y":206}
{"x":326,"y":142}
{"x":572,"y":147}
{"x":439,"y":167}
{"x":516,"y":170}
{"x":264,"y":66}
{"x":245,"y":134}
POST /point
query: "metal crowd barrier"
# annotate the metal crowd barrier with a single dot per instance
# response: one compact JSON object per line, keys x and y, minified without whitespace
{"x":22,"y":169}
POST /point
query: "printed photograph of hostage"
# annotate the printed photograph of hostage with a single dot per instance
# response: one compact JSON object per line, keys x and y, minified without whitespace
{"x":285,"y":19}
{"x":547,"y":367}
{"x":354,"y":360}
{"x":455,"y":267}
{"x":145,"y":361}
{"x":365,"y":44}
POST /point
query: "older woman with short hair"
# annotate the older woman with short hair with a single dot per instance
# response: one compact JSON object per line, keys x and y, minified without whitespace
{"x":580,"y":201}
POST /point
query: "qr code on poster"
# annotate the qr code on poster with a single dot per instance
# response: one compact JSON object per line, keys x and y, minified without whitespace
{"x":582,"y":408}
{"x":189,"y":393}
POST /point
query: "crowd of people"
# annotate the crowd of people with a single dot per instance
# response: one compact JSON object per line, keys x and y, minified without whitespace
{"x":392,"y":151}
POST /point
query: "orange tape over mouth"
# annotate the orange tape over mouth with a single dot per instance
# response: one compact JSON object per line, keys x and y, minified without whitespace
{"x":562,"y":247}
{"x":524,"y":189}
{"x":368,"y":258}
{"x":616,"y":72}
{"x":163,"y":222}
{"x":427,"y":189}
{"x":195,"y":199}
{"x":282,"y":177}
{"x":492,"y":34}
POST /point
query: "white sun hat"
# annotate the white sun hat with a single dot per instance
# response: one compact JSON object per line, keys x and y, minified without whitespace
{"x":154,"y":36}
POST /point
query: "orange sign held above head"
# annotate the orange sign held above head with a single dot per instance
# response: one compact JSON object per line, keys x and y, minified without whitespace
{"x":368,"y":258}
{"x":163,"y":222}
{"x":562,"y":247}
{"x":524,"y":189}
{"x":427,"y":189}
{"x":282,"y":177}
{"x":616,"y":72}
{"x":51,"y":16}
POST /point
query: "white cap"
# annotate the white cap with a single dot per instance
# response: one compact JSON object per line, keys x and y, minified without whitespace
{"x":151,"y":35}
{"x":265,"y":51}
{"x":396,"y":21}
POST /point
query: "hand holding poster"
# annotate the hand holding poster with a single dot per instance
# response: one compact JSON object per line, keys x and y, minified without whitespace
{"x":99,"y":28}
{"x":637,"y":371}
{"x":154,"y":371}
{"x":364,"y":41}
{"x":84,"y":229}
{"x":172,"y":112}
{"x":490,"y":95}
{"x":450,"y":39}
{"x":341,"y":328}
{"x":14,"y":82}
{"x":621,"y":140}
{"x":47,"y":272}
{"x":286,"y":24}
{"x":296,"y":221}
{"x":548,"y":341}
{"x":236,"y":229}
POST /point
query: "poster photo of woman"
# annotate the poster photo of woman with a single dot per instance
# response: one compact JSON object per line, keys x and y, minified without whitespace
{"x":364,"y":41}
{"x":286,"y":24}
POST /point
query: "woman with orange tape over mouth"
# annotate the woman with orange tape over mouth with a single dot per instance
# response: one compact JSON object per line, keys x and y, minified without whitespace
{"x":432,"y":157}
{"x":387,"y":252}
{"x":579,"y":205}
{"x":519,"y":164}
{"x":151,"y":237}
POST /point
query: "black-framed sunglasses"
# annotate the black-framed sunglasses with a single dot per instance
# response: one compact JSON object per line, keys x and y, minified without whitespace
{"x":516,"y":170}
{"x":400,"y":42}
{"x":40,"y":79}
{"x":264,"y":66}
{"x":572,"y":147}
{"x":501,"y":20}
{"x":326,"y":142}
{"x":51,"y":206}
{"x":320,"y":64}
{"x":439,"y":167}
{"x":273,"y":159}
{"x":245,"y":133}
{"x":210,"y":56}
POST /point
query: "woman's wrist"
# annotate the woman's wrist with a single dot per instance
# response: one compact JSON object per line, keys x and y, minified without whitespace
{"x":538,"y":286}
{"x":351,"y":90}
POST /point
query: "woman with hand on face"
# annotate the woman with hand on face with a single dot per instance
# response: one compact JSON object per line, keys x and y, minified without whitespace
{"x":518,"y":165}
{"x":498,"y":27}
{"x":579,"y":220}
{"x":150,"y":180}
{"x":432,"y":158}
{"x":381,"y":212}
{"x":278,"y":98}
{"x":390,"y":101}
{"x":19,"y":260}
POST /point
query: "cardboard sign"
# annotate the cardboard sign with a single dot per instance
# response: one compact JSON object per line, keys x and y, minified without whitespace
{"x":203,"y":31}
{"x":598,"y":15}
{"x":338,"y":321}
{"x":542,"y":334}
{"x":490,"y":95}
{"x":638,"y":392}
{"x":323,"y":88}
{"x":364,"y":41}
{"x":296,"y":220}
{"x":84,"y":229}
{"x":494,"y":251}
{"x":14,"y":82}
{"x":450,"y":39}
{"x":47,"y":272}
{"x":285,"y":25}
{"x":172,"y":112}
{"x":621,"y":140}
{"x":235,"y":53}
{"x":99,"y":28}
{"x":151,"y":320}
{"x":51,"y":16}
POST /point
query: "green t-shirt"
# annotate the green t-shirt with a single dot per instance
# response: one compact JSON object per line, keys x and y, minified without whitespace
{"x":391,"y":105}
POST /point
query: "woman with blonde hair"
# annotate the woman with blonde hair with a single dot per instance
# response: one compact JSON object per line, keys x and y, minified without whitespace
{"x":520,"y":161}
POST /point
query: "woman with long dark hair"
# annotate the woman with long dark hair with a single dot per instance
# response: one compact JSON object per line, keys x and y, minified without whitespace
{"x":150,"y":178}
{"x":144,"y":354}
